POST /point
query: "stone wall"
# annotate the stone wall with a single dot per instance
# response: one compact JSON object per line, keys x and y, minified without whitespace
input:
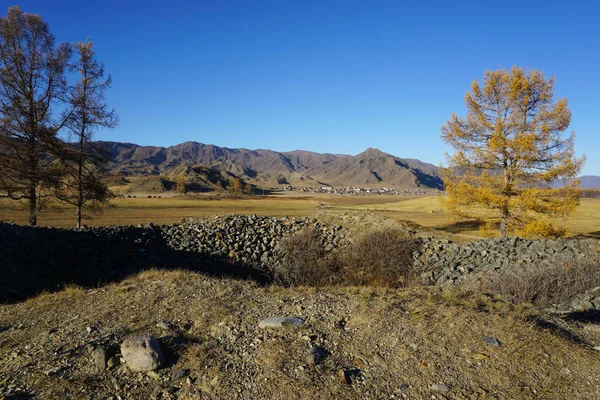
{"x":447,"y":263}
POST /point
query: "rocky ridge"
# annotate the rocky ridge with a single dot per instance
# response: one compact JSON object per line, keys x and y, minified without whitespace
{"x":446,"y":263}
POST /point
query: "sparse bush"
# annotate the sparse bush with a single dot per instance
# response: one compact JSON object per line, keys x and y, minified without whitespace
{"x":546,"y":285}
{"x":305,"y":260}
{"x":377,"y":258}
{"x":381,"y":258}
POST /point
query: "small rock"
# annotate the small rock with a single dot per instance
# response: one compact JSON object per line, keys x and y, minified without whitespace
{"x":378,"y":358}
{"x":281,"y":322}
{"x":142,"y":353}
{"x":315,"y":355}
{"x":343,"y":377}
{"x":404,"y":387}
{"x":180,"y":373}
{"x":99,"y":355}
{"x":167,"y":326}
{"x":153,"y":375}
{"x":91,"y":329}
{"x":112,"y":362}
{"x":491,"y":341}
{"x":440,"y":388}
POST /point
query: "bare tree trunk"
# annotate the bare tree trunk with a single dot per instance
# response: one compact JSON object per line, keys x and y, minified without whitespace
{"x":80,"y":179}
{"x":32,"y":205}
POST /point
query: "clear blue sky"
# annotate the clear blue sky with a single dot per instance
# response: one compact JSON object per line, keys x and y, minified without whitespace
{"x":327,"y":76}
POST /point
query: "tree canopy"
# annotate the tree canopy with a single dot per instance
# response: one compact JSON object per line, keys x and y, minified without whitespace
{"x":508,"y":150}
{"x":35,"y":163}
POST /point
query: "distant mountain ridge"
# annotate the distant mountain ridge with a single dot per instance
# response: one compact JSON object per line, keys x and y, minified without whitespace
{"x":586,"y":182}
{"x":372,"y":167}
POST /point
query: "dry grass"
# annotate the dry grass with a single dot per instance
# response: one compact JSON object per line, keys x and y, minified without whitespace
{"x":429,"y":213}
{"x":425,"y":211}
{"x":425,"y":336}
{"x":381,"y":258}
{"x":546,"y":285}
{"x":305,"y":261}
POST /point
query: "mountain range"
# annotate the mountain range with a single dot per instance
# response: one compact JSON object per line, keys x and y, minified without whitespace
{"x":371,"y":168}
{"x":205,"y":164}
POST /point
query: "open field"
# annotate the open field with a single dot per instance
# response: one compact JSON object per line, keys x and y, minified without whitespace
{"x":425,"y":211}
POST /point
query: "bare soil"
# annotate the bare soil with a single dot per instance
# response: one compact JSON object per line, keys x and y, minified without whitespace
{"x":380,"y":343}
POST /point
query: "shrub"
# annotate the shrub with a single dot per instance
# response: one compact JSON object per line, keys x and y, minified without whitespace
{"x":546,"y":285}
{"x":305,"y":261}
{"x":378,"y":258}
{"x":381,"y":258}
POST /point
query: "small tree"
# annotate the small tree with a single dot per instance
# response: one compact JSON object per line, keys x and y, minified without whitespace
{"x":235,"y":187}
{"x":83,"y":162}
{"x":180,"y":183}
{"x":32,"y":84}
{"x":508,"y":151}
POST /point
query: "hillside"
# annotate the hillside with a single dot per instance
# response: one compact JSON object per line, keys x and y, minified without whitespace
{"x":378,"y":343}
{"x":586,"y":182}
{"x":370,"y":168}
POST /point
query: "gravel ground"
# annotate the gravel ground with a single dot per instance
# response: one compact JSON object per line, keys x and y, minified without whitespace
{"x":374,"y":344}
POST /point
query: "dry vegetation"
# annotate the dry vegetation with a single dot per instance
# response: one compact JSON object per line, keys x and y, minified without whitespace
{"x":545,"y":286}
{"x":426,"y":212}
{"x":378,"y":257}
{"x":388,"y":338}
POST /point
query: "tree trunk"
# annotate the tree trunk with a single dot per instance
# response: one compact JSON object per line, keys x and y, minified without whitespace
{"x":78,"y":217}
{"x":32,"y":205}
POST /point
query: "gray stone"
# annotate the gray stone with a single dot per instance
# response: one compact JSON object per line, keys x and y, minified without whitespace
{"x":167,"y":326}
{"x":491,"y":341}
{"x":99,"y":355}
{"x":112,"y":362}
{"x":315,"y":355}
{"x":142,"y":353}
{"x":440,"y":388}
{"x":378,"y":358}
{"x":280,"y":322}
{"x":180,"y":373}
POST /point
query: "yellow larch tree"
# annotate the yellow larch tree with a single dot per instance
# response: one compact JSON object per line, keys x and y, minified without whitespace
{"x":508,"y":150}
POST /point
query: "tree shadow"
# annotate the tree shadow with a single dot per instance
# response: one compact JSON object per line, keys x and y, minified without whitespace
{"x":593,"y":235}
{"x":461,"y":226}
{"x":35,"y":260}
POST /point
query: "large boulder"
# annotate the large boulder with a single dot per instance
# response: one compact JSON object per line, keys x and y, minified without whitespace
{"x":142,"y":353}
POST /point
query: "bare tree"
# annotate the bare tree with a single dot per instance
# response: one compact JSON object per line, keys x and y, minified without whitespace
{"x":82,"y":162}
{"x":32,"y":83}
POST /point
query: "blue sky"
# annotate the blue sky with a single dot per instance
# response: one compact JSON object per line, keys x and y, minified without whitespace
{"x":326,"y":76}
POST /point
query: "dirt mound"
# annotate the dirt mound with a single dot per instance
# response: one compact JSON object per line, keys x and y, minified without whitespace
{"x":373,"y":343}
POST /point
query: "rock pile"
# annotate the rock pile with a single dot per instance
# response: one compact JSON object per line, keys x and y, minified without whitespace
{"x":446,"y":263}
{"x":251,"y":240}
{"x":233,"y":245}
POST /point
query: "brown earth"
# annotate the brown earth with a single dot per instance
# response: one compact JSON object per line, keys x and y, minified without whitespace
{"x":381,"y":343}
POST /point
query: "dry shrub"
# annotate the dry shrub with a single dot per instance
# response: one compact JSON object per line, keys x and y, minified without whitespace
{"x":305,"y":260}
{"x":546,"y":285}
{"x":381,"y":258}
{"x":378,"y":258}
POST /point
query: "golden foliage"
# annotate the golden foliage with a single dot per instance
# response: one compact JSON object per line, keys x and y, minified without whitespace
{"x":235,"y":187}
{"x":508,"y":150}
{"x":180,"y":183}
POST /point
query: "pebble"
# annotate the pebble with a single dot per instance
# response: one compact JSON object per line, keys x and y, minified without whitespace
{"x":491,"y":341}
{"x":440,"y":388}
{"x":180,"y":373}
{"x":315,"y":355}
{"x":99,"y":355}
{"x":281,"y":322}
{"x":167,"y":326}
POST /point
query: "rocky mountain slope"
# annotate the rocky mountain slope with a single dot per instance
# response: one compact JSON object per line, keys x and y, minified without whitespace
{"x":586,"y":182}
{"x":371,"y":168}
